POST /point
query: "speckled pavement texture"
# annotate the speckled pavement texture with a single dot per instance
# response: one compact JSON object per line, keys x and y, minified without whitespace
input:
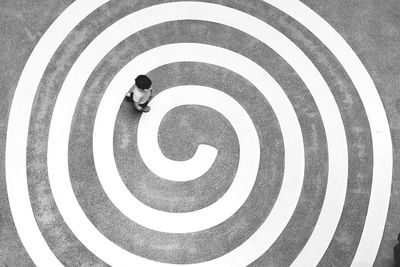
{"x":371,"y":28}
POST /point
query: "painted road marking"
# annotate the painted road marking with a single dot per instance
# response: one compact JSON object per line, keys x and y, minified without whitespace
{"x":247,"y":170}
{"x":23,"y":99}
{"x":380,"y":132}
{"x":304,"y":67}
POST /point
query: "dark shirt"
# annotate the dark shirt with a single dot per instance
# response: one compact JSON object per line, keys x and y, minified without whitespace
{"x":396,"y":251}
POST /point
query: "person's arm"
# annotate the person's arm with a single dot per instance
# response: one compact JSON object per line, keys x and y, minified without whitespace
{"x":130,"y":92}
{"x":131,"y":89}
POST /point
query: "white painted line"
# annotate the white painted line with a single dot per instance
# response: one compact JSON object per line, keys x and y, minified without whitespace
{"x":381,"y":138}
{"x":108,"y":174}
{"x":147,"y":139}
{"x":163,"y":221}
{"x":311,"y":76}
{"x":19,"y":120}
{"x":247,"y":170}
{"x":98,"y":244}
{"x":18,"y":126}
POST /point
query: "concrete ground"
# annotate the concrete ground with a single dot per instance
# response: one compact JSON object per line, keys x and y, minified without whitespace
{"x":371,"y":28}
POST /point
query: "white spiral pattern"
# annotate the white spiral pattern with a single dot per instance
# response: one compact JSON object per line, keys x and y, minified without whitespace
{"x":216,"y":213}
{"x":236,"y":115}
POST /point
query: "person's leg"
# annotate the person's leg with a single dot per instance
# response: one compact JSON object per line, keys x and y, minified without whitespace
{"x":145,"y":107}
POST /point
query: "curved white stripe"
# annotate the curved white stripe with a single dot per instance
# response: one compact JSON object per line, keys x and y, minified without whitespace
{"x":110,"y":252}
{"x":174,"y":170}
{"x":247,"y":170}
{"x":294,"y":56}
{"x":16,"y":142}
{"x":155,"y":160}
{"x":147,"y":139}
{"x":267,"y":38}
{"x":148,"y":125}
{"x":18,"y":126}
{"x":380,"y":131}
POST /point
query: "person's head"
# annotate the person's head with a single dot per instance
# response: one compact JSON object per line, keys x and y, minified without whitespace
{"x":143,"y":82}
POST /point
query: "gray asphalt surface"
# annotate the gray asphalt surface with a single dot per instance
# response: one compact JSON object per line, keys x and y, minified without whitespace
{"x":371,"y":28}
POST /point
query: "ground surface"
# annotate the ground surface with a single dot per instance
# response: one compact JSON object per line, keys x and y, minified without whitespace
{"x":371,"y":28}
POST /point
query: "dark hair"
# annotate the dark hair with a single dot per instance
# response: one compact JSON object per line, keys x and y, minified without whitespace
{"x":143,"y":82}
{"x":398,"y":237}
